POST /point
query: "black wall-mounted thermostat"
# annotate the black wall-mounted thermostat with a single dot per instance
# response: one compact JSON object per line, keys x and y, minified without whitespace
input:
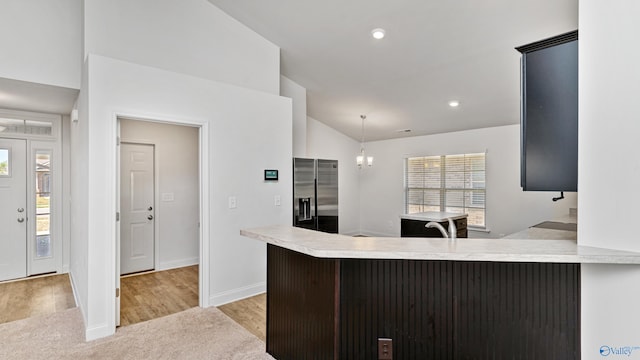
{"x":271,"y":175}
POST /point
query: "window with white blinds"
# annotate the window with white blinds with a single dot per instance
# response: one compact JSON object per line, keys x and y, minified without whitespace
{"x":450,"y":183}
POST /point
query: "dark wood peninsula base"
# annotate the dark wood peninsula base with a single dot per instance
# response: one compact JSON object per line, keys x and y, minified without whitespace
{"x":323,"y":308}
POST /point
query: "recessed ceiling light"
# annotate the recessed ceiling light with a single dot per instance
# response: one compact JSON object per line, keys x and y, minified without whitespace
{"x":377,"y":33}
{"x":454,"y":103}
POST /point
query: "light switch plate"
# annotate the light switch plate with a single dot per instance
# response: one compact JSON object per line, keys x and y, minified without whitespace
{"x":276,"y":200}
{"x":232,"y":202}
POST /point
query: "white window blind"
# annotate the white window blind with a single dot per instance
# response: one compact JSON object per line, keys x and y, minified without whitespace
{"x":451,"y":183}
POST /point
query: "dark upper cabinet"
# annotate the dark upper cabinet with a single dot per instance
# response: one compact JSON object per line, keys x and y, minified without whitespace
{"x":549,"y":119}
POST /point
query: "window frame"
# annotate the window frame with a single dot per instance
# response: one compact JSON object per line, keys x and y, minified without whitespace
{"x":471,"y":189}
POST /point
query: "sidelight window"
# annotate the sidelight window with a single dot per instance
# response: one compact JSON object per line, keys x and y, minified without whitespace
{"x":43,"y":204}
{"x":450,"y":183}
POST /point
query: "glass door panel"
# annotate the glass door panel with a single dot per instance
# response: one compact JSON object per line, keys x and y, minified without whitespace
{"x":43,"y":204}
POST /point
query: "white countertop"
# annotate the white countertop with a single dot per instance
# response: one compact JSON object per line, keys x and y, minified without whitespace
{"x":537,"y":233}
{"x":323,"y":245}
{"x":534,"y":233}
{"x":437,"y":216}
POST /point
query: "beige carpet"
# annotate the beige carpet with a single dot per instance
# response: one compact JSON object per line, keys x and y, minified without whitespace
{"x":192,"y":334}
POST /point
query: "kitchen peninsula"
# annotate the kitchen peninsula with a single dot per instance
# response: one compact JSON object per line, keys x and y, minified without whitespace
{"x":333,"y":296}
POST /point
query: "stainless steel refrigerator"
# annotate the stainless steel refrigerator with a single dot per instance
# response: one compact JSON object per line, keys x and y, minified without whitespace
{"x":315,"y":194}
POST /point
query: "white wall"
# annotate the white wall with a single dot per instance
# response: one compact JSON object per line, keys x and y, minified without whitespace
{"x":509,"y":209}
{"x":609,"y":126}
{"x":179,"y":55}
{"x":187,"y":36}
{"x":176,"y":170}
{"x":239,"y":142}
{"x":66,"y":192}
{"x":78,"y":200}
{"x":608,"y":175}
{"x":298,"y":95}
{"x":41,"y":41}
{"x":326,"y":143}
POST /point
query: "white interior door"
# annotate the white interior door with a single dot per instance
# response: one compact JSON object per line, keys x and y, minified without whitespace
{"x":13,"y":209}
{"x":137,"y":208}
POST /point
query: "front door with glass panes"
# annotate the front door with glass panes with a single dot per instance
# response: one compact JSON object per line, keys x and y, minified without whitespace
{"x":13,"y":209}
{"x":29,"y":205}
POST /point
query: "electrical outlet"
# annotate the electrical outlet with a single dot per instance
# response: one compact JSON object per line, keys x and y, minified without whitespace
{"x":233,"y":203}
{"x":385,"y":349}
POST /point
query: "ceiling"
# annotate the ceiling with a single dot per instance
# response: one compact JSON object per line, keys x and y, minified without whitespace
{"x":433,"y":52}
{"x":23,"y":95}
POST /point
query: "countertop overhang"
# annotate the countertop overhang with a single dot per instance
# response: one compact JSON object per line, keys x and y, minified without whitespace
{"x":336,"y":246}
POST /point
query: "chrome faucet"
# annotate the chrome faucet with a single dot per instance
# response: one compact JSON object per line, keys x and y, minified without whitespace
{"x":452,"y":229}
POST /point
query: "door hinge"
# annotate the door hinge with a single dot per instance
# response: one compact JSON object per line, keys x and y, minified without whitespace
{"x":118,"y":140}
{"x":117,"y":292}
{"x":117,"y":216}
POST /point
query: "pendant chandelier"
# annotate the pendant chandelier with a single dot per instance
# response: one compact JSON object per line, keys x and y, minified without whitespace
{"x":360,"y":159}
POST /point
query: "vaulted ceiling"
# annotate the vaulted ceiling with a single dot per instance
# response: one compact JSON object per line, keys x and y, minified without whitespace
{"x":433,"y":52}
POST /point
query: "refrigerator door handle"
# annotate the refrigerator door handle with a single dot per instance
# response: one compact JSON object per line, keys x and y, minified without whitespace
{"x":315,"y":216}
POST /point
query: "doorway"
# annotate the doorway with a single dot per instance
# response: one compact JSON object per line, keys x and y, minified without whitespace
{"x":159,"y":202}
{"x":30,"y":194}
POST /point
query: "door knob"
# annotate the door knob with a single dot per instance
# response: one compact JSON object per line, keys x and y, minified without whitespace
{"x":150,"y":217}
{"x":20,"y":209}
{"x":20,"y":220}
{"x":150,"y":208}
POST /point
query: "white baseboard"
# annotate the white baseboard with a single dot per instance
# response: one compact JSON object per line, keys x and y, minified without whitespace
{"x":237,"y":294}
{"x":73,"y":290}
{"x":174,"y":264}
{"x":97,"y":332}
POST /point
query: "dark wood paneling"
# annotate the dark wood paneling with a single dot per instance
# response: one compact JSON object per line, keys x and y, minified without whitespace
{"x":460,"y":310}
{"x":302,"y":305}
{"x":517,"y":310}
{"x":409,"y":302}
{"x":337,"y":309}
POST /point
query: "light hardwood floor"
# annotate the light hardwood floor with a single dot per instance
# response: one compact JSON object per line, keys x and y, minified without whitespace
{"x":144,"y":297}
{"x":250,"y":313}
{"x":29,"y":297}
{"x":152,"y":295}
